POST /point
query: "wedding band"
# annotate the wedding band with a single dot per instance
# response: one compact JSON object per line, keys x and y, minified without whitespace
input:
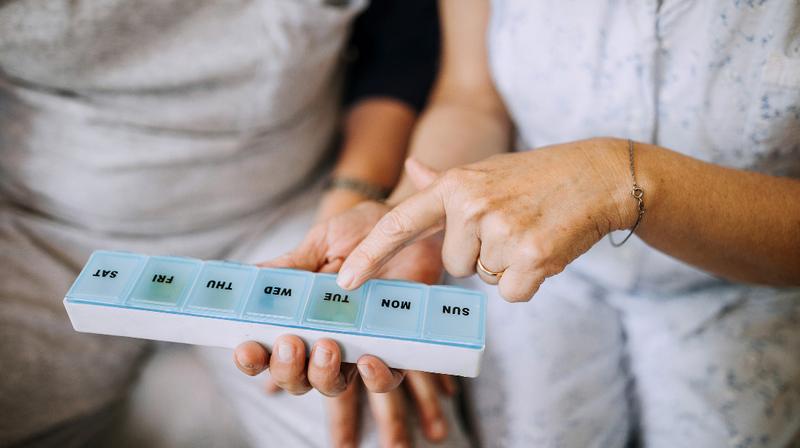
{"x":488,"y":272}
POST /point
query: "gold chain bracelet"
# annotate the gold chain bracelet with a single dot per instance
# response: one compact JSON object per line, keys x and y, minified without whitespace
{"x":369,"y":190}
{"x":638,"y":194}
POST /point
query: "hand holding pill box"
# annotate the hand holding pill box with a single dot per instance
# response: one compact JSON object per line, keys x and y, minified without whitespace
{"x":218,"y":303}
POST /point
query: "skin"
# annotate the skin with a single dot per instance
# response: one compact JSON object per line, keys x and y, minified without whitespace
{"x":376,"y":137}
{"x":530,"y":214}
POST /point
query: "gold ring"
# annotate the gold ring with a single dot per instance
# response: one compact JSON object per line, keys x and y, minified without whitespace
{"x":488,"y":272}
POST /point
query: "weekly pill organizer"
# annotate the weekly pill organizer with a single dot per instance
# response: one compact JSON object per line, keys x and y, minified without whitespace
{"x":221,"y":303}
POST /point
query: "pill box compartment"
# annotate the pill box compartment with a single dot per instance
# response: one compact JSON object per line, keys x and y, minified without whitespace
{"x":278,"y":295}
{"x":107,"y":277}
{"x":329,"y":306}
{"x":395,"y":308}
{"x":221,"y":289}
{"x":164,"y":283}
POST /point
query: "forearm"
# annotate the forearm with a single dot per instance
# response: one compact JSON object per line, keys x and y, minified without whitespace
{"x":465,"y":120}
{"x":741,"y":225}
{"x":375,"y":140}
{"x":450,"y":134}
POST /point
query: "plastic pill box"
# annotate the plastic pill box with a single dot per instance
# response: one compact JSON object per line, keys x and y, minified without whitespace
{"x":221,"y":303}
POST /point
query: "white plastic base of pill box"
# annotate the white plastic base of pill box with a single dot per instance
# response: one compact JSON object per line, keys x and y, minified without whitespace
{"x":198,"y":330}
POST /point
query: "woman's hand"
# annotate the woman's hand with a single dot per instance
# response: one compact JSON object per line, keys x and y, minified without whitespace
{"x":323,"y":250}
{"x":524,"y":215}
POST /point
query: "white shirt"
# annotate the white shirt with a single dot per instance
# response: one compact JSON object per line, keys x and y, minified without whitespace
{"x":716,"y":80}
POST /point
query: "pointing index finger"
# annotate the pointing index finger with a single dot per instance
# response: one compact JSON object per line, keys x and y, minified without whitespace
{"x":418,"y":216}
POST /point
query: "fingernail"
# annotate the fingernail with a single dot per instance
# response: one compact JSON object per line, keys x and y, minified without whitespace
{"x":246,"y":365}
{"x":322,"y":357}
{"x":366,"y":371}
{"x":438,"y":429}
{"x":285,"y":352}
{"x":345,"y":278}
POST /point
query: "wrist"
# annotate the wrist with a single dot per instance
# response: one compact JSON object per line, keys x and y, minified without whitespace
{"x":360,"y":185}
{"x":343,"y":192}
{"x":615,"y":167}
{"x":336,"y":201}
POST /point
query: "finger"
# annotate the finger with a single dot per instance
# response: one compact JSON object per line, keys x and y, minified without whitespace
{"x":421,"y":175}
{"x":389,"y":411}
{"x":308,"y":256}
{"x":425,"y":391}
{"x":377,"y":376}
{"x":496,"y":239}
{"x":412,"y":218}
{"x":461,"y":246}
{"x":306,"y":260}
{"x":491,"y":258}
{"x":251,"y":358}
{"x":332,"y":266}
{"x":325,"y":370}
{"x":288,"y":365}
{"x":269,"y":385}
{"x":448,"y":384}
{"x":343,"y":417}
{"x":488,"y":278}
{"x":519,"y":285}
{"x":419,"y":262}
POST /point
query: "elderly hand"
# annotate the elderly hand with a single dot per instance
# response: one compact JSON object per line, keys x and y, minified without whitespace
{"x":525,"y":216}
{"x":323,"y":250}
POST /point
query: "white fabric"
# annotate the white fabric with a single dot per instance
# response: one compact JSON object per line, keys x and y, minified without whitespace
{"x":629,"y":342}
{"x":176,"y":127}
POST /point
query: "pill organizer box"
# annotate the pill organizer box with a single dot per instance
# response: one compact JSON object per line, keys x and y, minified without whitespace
{"x":221,"y":303}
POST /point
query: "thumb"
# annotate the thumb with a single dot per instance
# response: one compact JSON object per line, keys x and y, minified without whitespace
{"x":421,"y":175}
{"x":308,"y":256}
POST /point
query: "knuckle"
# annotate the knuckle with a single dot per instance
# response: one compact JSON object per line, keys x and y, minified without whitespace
{"x":475,"y":207}
{"x":457,"y":266}
{"x":536,"y":252}
{"x":454,"y":178}
{"x":506,"y":225}
{"x":499,"y":225}
{"x":531,"y":254}
{"x":365,"y":254}
{"x":395,"y":225}
{"x":515,"y":293}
